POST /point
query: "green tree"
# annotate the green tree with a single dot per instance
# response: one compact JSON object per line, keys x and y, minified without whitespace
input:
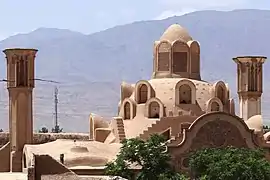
{"x":57,"y":129}
{"x":230,"y":163}
{"x":43,"y":130}
{"x":150,"y":155}
{"x":266,"y":128}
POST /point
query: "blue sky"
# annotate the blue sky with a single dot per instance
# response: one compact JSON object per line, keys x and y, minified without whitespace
{"x":89,"y":16}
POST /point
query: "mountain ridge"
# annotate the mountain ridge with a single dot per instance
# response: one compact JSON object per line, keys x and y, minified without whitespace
{"x":91,"y":67}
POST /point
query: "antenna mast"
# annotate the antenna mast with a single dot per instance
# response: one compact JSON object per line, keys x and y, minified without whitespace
{"x":56,"y":106}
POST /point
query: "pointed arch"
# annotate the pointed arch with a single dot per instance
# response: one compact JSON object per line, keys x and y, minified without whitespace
{"x":143,"y":91}
{"x":232,"y":107}
{"x":194,"y":56}
{"x":128,"y":110}
{"x":221,"y":92}
{"x":154,"y":108}
{"x":185,"y":92}
{"x":214,"y":104}
{"x":180,"y":57}
{"x":163,"y":61}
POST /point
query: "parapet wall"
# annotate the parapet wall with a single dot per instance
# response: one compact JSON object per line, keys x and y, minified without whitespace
{"x":40,"y":138}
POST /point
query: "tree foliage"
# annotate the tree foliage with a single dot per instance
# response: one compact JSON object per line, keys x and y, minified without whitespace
{"x":1,"y":130}
{"x":266,"y":128}
{"x":43,"y":130}
{"x":230,"y":163}
{"x":151,"y":156}
{"x":57,"y":129}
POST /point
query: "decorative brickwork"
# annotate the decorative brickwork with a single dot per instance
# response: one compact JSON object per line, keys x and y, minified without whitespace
{"x":218,"y":133}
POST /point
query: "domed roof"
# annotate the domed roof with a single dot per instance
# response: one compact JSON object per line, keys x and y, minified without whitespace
{"x":92,"y":153}
{"x":176,"y":32}
{"x":165,"y":91}
{"x":255,"y":122}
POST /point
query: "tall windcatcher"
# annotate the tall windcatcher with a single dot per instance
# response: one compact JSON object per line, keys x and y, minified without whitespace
{"x":20,"y":84}
{"x":249,"y":84}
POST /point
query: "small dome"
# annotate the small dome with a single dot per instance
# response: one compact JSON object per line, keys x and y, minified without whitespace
{"x":176,"y":32}
{"x":266,"y":136}
{"x":255,"y":122}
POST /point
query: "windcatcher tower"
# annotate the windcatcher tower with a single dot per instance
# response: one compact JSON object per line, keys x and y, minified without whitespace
{"x":20,"y":84}
{"x":250,"y":84}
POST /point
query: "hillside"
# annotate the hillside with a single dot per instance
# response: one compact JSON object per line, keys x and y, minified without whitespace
{"x":91,"y":67}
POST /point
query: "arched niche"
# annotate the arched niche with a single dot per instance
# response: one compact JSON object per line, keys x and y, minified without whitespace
{"x":232,"y":107}
{"x":128,"y":109}
{"x":214,"y":104}
{"x":163,"y":58}
{"x":185,"y":92}
{"x":180,"y":57}
{"x":143,"y":92}
{"x":228,"y":90}
{"x":95,"y":122}
{"x":154,"y":108}
{"x":194,"y":56}
{"x":220,"y":91}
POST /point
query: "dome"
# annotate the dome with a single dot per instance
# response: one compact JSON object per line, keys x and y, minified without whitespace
{"x":164,"y":89}
{"x":266,"y":136}
{"x":255,"y":122}
{"x":176,"y":32}
{"x":88,"y":153}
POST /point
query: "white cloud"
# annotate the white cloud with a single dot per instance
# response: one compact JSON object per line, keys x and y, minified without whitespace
{"x":170,"y":13}
{"x":179,"y":7}
{"x":198,"y":4}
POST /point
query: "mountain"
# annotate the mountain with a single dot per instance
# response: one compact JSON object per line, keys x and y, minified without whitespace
{"x":91,"y":67}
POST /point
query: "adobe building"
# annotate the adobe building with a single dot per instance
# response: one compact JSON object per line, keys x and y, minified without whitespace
{"x":20,"y":84}
{"x":176,"y":102}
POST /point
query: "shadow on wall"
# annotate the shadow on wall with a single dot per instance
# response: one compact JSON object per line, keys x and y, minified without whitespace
{"x":46,"y":165}
{"x":5,"y":158}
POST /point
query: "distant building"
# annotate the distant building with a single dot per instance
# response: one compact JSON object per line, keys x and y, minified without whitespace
{"x":176,"y":102}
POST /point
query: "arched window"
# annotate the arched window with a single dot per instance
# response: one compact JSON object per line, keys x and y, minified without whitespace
{"x":215,"y":106}
{"x":127,"y":110}
{"x":180,"y":57}
{"x":221,"y":94}
{"x":195,"y":57}
{"x":163,"y":56}
{"x":143,"y":94}
{"x":22,"y":71}
{"x":154,"y":110}
{"x":185,"y":94}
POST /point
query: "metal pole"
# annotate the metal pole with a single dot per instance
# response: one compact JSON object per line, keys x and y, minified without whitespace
{"x":56,"y":106}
